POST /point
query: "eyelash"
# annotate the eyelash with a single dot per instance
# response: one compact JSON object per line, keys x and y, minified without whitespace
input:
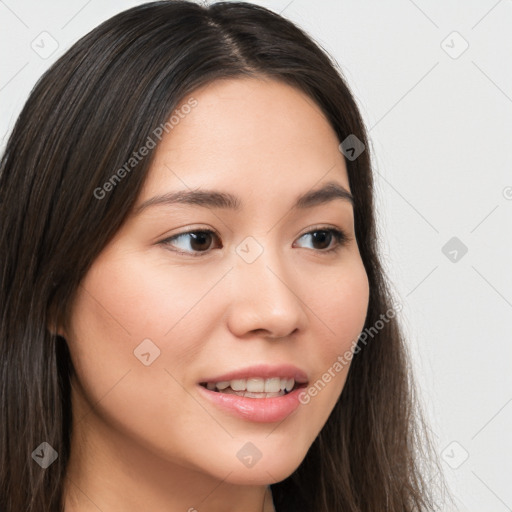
{"x":340,"y":237}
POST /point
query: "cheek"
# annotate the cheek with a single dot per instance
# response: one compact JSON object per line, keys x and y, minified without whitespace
{"x":127,"y":299}
{"x":121,"y":304}
{"x":339,"y":300}
{"x":130,"y":306}
{"x":340,"y":303}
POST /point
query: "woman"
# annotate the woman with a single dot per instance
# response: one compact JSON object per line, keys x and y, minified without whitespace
{"x":194,"y":315}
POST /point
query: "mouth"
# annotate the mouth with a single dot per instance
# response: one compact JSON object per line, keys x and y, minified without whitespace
{"x":255,"y":387}
{"x":261,"y":393}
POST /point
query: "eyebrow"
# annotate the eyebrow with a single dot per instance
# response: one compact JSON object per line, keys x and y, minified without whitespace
{"x":223,"y":200}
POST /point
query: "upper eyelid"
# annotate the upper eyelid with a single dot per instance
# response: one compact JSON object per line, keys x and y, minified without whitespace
{"x":343,"y":234}
{"x":320,"y":227}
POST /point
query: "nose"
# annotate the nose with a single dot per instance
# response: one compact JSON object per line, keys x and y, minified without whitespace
{"x":264,"y":299}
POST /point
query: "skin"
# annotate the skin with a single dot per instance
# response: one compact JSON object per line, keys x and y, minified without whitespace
{"x":143,"y":436}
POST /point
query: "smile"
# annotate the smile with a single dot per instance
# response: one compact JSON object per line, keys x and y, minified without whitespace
{"x":257,"y":387}
{"x":262,"y":393}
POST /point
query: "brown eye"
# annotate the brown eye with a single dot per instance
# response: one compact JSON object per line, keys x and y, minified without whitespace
{"x":322,"y":239}
{"x":191,"y":242}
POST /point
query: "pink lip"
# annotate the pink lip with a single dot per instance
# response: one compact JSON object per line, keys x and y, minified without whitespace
{"x":263,"y":370}
{"x":261,"y":410}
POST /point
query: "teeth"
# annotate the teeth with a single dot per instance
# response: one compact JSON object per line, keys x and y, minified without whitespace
{"x":254,"y":385}
{"x":273,"y":385}
{"x":248,"y":394}
{"x":238,"y":384}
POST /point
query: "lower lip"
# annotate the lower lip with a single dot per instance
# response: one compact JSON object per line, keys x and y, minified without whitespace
{"x":260,"y":410}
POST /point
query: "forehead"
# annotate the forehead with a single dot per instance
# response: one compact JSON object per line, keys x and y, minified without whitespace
{"x":256,"y":134}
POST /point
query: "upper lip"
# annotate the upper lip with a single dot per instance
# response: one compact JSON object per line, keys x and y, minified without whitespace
{"x":263,"y":370}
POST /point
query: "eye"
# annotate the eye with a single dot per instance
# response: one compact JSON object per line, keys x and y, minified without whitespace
{"x":195,"y":241}
{"x":198,"y":242}
{"x":325,"y":236}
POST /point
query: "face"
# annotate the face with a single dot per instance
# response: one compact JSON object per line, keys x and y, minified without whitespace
{"x":251,"y":291}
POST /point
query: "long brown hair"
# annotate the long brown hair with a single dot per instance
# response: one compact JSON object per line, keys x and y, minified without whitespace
{"x":84,"y":119}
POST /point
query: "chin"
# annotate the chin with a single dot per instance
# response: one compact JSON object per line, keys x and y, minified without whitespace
{"x":263,"y":474}
{"x":272,"y":466}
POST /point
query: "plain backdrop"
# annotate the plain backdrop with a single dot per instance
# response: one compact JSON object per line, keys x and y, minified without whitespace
{"x":434,"y":84}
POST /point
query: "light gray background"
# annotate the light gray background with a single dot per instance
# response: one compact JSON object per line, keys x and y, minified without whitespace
{"x":440,"y":123}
